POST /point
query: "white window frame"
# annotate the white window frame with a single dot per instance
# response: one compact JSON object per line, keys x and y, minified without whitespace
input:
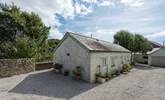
{"x":113,"y":61}
{"x":104,"y":61}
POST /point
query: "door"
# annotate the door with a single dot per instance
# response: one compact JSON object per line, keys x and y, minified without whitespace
{"x":104,"y":65}
{"x":158,"y":61}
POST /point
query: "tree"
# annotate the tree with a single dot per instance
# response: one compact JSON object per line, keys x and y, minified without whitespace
{"x":21,"y":30}
{"x":53,"y":43}
{"x":141,"y":44}
{"x":125,"y":39}
{"x":134,"y":43}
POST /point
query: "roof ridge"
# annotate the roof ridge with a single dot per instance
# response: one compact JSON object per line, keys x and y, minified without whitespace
{"x":90,"y":37}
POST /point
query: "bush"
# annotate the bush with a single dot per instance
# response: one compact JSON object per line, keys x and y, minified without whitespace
{"x":77,"y":73}
{"x":127,"y":67}
{"x":77,"y":70}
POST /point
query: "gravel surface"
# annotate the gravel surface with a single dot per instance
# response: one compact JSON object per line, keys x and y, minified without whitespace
{"x":142,"y":83}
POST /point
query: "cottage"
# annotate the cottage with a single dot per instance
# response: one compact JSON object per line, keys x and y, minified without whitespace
{"x":91,"y":54}
{"x":143,"y":58}
{"x":157,"y":58}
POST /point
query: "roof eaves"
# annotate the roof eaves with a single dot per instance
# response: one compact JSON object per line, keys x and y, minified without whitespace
{"x":109,"y":51}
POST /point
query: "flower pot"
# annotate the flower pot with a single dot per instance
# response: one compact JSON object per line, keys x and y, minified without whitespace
{"x":77,"y":77}
{"x":101,"y":80}
{"x":66,"y":73}
{"x":107,"y":78}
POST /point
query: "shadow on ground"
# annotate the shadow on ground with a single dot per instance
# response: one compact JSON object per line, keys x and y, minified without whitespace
{"x":145,"y":67}
{"x":52,"y":85}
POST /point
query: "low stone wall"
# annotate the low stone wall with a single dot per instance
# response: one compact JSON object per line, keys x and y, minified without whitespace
{"x":9,"y":67}
{"x":43,"y":65}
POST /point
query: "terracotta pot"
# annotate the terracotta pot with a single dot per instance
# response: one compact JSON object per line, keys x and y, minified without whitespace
{"x":107,"y":78}
{"x":77,"y":77}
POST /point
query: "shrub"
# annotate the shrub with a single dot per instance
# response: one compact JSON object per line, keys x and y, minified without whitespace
{"x":99,"y":75}
{"x":127,"y":67}
{"x":77,"y":70}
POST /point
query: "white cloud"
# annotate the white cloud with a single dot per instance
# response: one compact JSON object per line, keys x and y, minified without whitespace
{"x":133,"y":3}
{"x":155,"y":35}
{"x":54,"y":34}
{"x":90,"y":1}
{"x":82,"y":9}
{"x":106,"y":3}
{"x":103,"y":34}
{"x":47,"y":10}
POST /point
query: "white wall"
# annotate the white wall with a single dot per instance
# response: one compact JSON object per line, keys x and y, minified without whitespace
{"x":96,"y":60}
{"x":157,"y":58}
{"x":78,"y":57}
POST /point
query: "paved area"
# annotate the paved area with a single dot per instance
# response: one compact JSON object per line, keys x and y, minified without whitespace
{"x":142,"y":83}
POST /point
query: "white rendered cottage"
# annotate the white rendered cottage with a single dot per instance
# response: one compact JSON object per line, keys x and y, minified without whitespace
{"x":90,"y":53}
{"x":157,"y":58}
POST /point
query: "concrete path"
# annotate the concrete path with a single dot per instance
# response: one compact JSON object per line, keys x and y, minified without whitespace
{"x":142,"y":83}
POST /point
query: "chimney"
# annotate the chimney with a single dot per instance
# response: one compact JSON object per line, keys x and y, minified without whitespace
{"x":163,"y":43}
{"x":91,"y":35}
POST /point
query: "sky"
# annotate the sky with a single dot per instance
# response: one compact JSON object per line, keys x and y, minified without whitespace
{"x":101,"y":18}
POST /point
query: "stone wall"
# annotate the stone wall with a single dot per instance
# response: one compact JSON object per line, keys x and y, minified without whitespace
{"x":44,"y":65}
{"x":9,"y":67}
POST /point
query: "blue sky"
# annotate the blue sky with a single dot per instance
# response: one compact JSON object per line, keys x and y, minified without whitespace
{"x":101,"y":18}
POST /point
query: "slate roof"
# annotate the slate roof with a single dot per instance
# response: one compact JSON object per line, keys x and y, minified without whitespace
{"x":97,"y":45}
{"x":153,"y":50}
{"x":155,"y":44}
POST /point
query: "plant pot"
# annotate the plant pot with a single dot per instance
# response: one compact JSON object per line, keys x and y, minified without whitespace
{"x":77,"y":77}
{"x":107,"y":78}
{"x":125,"y":72}
{"x":66,"y":73}
{"x":56,"y":70}
{"x":101,"y":80}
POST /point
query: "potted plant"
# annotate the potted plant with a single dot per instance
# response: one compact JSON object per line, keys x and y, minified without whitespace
{"x":66,"y":72}
{"x":100,"y":78}
{"x":127,"y":68}
{"x":58,"y":67}
{"x":77,"y":73}
{"x":108,"y":76}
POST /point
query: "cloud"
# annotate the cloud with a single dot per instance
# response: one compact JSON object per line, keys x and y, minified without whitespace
{"x":106,"y":3}
{"x":47,"y":10}
{"x":103,"y":34}
{"x":155,"y":35}
{"x":106,"y":16}
{"x":82,"y":9}
{"x":133,"y":3}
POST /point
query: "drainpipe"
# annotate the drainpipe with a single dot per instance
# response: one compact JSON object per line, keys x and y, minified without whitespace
{"x":163,"y":44}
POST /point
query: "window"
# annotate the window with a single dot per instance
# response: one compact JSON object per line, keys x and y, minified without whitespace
{"x":128,"y":58}
{"x":68,"y":54}
{"x":122,"y":60}
{"x":113,"y":61}
{"x":104,"y":61}
{"x":145,"y":57}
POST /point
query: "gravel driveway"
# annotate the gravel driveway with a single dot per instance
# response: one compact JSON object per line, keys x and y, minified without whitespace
{"x":142,"y":83}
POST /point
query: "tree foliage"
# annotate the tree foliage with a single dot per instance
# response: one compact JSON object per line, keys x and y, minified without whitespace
{"x":124,"y":38}
{"x":134,"y":43}
{"x":22,"y":34}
